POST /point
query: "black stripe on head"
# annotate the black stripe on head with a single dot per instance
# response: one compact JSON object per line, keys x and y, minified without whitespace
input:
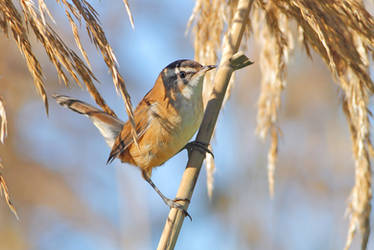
{"x":184,"y":63}
{"x":172,"y":72}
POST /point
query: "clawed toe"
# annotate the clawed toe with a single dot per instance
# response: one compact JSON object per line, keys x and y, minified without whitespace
{"x":181,"y":199}
{"x":199,"y":146}
{"x":175,"y":204}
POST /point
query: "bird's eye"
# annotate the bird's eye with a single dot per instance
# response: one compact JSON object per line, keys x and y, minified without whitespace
{"x":182,"y":74}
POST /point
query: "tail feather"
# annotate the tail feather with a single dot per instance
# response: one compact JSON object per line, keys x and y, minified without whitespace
{"x":109,"y":126}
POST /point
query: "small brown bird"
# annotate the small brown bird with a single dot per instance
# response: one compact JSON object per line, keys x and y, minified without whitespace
{"x":166,"y":119}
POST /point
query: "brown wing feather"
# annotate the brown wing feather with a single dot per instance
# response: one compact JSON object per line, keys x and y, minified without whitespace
{"x":124,"y":140}
{"x":142,"y":119}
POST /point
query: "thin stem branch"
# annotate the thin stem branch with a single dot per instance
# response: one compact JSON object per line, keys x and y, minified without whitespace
{"x":228,"y":64}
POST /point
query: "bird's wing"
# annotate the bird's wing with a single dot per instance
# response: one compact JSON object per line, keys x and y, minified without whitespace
{"x":147,"y":110}
{"x":109,"y":126}
{"x":142,"y":120}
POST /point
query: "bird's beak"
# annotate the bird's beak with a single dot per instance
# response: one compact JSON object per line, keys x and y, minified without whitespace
{"x":204,"y":69}
{"x":208,"y":67}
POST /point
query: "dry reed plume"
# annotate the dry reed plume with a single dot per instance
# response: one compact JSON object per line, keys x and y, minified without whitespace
{"x":342,"y":34}
{"x":19,"y":21}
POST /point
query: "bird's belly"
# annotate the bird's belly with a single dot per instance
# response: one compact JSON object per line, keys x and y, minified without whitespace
{"x":162,"y":141}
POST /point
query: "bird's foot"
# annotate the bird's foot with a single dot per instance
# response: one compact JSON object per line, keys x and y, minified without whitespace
{"x":174,"y":204}
{"x":199,"y":146}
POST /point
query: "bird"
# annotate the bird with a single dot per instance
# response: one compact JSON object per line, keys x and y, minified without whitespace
{"x":165,"y":120}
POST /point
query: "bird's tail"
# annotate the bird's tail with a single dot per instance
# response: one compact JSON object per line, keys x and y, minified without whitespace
{"x":109,"y":126}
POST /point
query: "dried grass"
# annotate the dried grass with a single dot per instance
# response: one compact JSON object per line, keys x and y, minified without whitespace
{"x":342,"y":34}
{"x":21,"y":22}
{"x":62,"y":57}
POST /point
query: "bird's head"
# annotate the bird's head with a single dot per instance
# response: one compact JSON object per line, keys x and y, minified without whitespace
{"x":184,"y":77}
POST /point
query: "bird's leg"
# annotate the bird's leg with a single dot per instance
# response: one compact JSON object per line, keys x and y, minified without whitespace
{"x":199,"y":146}
{"x":169,"y":202}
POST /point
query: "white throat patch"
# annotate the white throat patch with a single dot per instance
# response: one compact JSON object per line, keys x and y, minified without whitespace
{"x":195,"y":85}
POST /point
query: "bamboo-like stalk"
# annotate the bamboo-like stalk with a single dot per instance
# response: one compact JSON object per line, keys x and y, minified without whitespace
{"x":228,"y":64}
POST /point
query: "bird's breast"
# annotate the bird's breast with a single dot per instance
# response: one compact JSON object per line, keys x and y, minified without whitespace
{"x":170,"y":129}
{"x":191,"y":113}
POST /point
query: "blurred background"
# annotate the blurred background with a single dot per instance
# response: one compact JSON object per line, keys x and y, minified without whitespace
{"x":68,"y":198}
